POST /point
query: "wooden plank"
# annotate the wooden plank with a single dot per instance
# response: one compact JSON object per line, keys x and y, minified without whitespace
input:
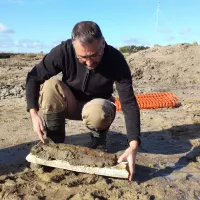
{"x":118,"y":171}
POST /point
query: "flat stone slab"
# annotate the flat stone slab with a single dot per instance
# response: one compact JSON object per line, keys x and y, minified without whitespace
{"x":77,"y":158}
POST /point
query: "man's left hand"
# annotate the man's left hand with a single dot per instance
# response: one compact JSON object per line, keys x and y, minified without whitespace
{"x":130,"y":156}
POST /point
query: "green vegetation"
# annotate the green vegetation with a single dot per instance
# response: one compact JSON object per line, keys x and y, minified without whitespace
{"x":6,"y":55}
{"x":9,"y":55}
{"x":132,"y":49}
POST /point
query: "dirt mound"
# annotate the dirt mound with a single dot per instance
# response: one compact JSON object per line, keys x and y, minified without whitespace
{"x":165,"y":67}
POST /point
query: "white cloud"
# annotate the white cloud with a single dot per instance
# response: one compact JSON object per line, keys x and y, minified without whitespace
{"x":135,"y":41}
{"x":163,"y":30}
{"x":170,"y":38}
{"x":185,"y":31}
{"x":4,"y":29}
{"x":8,"y":43}
{"x":27,"y":43}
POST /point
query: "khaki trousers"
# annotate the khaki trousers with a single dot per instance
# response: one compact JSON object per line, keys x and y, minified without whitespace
{"x":97,"y":114}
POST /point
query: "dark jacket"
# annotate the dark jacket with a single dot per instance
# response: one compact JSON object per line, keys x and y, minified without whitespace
{"x":88,"y":84}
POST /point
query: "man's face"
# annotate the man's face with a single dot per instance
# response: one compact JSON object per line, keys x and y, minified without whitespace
{"x":90,"y":54}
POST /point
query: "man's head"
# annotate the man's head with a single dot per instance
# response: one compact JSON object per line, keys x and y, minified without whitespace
{"x":88,"y":43}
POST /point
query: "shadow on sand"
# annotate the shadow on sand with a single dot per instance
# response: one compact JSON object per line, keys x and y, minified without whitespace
{"x":175,"y":140}
{"x":170,"y":141}
{"x":144,"y":173}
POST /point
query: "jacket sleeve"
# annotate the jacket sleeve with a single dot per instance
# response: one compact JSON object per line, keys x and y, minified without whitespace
{"x":128,"y":100}
{"x":49,"y":66}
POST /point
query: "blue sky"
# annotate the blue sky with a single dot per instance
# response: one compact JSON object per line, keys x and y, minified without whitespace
{"x":39,"y":25}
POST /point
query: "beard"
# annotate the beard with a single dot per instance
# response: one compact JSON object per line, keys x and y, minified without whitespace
{"x":93,"y":66}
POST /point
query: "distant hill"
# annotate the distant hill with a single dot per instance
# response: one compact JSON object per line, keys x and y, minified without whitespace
{"x":165,"y":67}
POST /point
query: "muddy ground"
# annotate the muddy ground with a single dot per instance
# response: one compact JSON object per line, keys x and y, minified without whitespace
{"x":168,"y":161}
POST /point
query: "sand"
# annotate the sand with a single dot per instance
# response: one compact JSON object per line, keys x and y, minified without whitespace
{"x":74,"y":155}
{"x":167,"y":163}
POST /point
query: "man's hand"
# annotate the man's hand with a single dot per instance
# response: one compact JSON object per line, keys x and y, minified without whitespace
{"x":130,"y":156}
{"x":38,"y":125}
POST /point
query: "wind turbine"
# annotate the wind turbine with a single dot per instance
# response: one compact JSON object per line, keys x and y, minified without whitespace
{"x":157,"y":16}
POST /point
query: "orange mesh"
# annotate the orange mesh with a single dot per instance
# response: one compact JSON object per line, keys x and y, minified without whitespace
{"x":154,"y":100}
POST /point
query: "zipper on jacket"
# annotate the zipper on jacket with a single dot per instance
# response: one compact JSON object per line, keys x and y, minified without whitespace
{"x":86,"y":79}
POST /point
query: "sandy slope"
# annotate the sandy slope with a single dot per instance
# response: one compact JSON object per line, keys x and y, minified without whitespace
{"x":167,"y":164}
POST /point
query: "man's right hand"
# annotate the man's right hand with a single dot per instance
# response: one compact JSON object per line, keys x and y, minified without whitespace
{"x":38,"y":125}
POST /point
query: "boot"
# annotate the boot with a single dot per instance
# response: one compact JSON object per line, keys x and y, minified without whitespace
{"x":98,"y":139}
{"x":55,"y":126}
